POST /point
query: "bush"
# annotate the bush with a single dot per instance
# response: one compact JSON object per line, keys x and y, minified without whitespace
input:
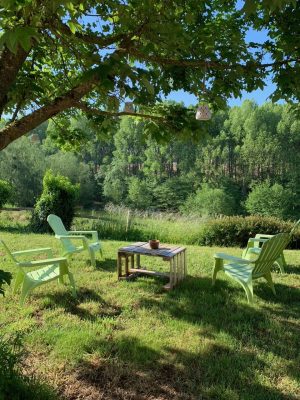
{"x":13,"y":384}
{"x":235,"y":231}
{"x":58,"y":197}
{"x":270,"y":200}
{"x":5,"y":192}
{"x":5,"y":278}
{"x":209,"y":201}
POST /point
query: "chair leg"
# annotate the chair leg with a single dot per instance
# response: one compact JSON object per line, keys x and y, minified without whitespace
{"x":18,"y":282}
{"x":92,"y":256}
{"x":217,"y":267}
{"x":72,"y":281}
{"x":281,"y":263}
{"x":26,"y":288}
{"x":268,"y":278}
{"x":249,"y":291}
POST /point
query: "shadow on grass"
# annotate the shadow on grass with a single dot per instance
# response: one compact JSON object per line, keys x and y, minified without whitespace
{"x":292,"y":269}
{"x":81,"y":305}
{"x":135,"y":371}
{"x":15,"y":229}
{"x":238,"y":342}
{"x":108,"y":264}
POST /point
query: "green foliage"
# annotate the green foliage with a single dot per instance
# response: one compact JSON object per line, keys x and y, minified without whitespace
{"x":210,"y":202}
{"x":5,"y":192}
{"x":58,"y":197}
{"x":69,"y":165}
{"x":22,"y":164}
{"x":235,"y":231}
{"x":5,"y":278}
{"x":139,"y":194}
{"x":14,"y":385}
{"x":270,"y":200}
{"x":162,"y":57}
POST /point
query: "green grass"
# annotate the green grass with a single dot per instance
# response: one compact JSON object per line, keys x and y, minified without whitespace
{"x":132,"y":340}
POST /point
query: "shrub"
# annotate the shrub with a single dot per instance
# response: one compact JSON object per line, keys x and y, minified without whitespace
{"x":209,"y":201}
{"x":5,"y":278}
{"x":58,"y":197}
{"x":270,"y":200}
{"x":13,"y":384}
{"x":5,"y":192}
{"x":235,"y":231}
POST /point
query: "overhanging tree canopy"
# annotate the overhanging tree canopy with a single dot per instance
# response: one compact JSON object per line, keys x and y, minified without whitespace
{"x":59,"y":56}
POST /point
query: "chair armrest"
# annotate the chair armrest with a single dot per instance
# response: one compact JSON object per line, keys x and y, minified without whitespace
{"x":46,"y":250}
{"x":94,"y":234}
{"x":263,"y":236}
{"x":257,"y":240}
{"x":71,"y":237}
{"x":224,"y":256}
{"x":42,"y":262}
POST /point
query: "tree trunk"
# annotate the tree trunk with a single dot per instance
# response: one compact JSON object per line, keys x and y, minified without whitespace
{"x":10,"y":65}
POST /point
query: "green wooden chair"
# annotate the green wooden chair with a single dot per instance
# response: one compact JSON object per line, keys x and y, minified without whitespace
{"x":67,"y":237}
{"x":245,"y":271}
{"x":51,"y":269}
{"x":254,"y":246}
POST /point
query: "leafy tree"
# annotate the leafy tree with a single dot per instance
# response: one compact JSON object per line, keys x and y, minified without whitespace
{"x":5,"y":192}
{"x":58,"y":197}
{"x":270,"y":200}
{"x":22,"y":164}
{"x":68,"y":165}
{"x":209,"y":201}
{"x":54,"y":60}
{"x":139,"y":194}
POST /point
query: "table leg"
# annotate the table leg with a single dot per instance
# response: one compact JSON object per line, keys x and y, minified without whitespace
{"x":119,"y":265}
{"x":184,"y":264}
{"x":138,"y":261}
{"x":132,"y":261}
{"x":180,"y":266}
{"x":126,"y":265}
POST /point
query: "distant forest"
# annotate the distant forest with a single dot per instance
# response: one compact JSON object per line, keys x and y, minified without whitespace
{"x":247,"y":161}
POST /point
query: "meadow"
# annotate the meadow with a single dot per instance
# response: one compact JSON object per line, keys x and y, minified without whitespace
{"x":132,"y":340}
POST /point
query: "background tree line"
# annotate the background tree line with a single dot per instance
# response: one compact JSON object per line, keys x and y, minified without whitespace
{"x":247,"y":162}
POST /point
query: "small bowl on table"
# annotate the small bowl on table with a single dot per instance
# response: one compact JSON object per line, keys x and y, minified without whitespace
{"x":154,"y":244}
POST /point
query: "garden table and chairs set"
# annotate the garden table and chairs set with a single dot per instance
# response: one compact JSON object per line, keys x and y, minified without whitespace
{"x":261,"y":254}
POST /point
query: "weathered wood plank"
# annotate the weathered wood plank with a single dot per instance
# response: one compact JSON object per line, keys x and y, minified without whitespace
{"x":148,"y":272}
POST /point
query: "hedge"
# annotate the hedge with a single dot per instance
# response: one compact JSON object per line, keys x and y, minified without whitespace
{"x":235,"y":231}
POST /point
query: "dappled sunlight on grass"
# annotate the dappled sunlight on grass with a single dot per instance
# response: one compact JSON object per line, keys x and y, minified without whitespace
{"x":133,"y":340}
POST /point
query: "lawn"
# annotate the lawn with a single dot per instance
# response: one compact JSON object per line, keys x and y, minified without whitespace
{"x":132,"y":340}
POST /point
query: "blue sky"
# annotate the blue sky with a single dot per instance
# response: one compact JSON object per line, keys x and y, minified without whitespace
{"x":260,"y":96}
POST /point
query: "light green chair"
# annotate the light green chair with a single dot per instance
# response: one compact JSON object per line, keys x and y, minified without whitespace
{"x":51,"y":269}
{"x":245,"y":271}
{"x":67,"y":237}
{"x":254,"y":246}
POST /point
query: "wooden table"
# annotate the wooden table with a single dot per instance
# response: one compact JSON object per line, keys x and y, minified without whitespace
{"x":175,"y":255}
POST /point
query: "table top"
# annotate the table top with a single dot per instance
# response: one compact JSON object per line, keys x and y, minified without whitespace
{"x":166,"y":251}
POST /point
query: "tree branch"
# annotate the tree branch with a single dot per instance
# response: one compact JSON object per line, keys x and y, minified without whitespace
{"x":200,"y":63}
{"x":22,"y":126}
{"x":90,"y":39}
{"x":90,"y":110}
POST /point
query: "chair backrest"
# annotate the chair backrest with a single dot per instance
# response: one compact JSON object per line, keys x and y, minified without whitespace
{"x":59,"y":229}
{"x":10,"y":255}
{"x":294,"y":228}
{"x":270,"y":252}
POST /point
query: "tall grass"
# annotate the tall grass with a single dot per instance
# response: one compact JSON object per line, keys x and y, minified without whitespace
{"x":120,"y":223}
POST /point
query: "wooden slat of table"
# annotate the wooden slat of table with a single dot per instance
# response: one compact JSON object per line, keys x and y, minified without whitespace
{"x":144,"y":248}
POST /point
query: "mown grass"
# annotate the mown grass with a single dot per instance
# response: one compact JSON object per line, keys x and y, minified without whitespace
{"x":132,"y":340}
